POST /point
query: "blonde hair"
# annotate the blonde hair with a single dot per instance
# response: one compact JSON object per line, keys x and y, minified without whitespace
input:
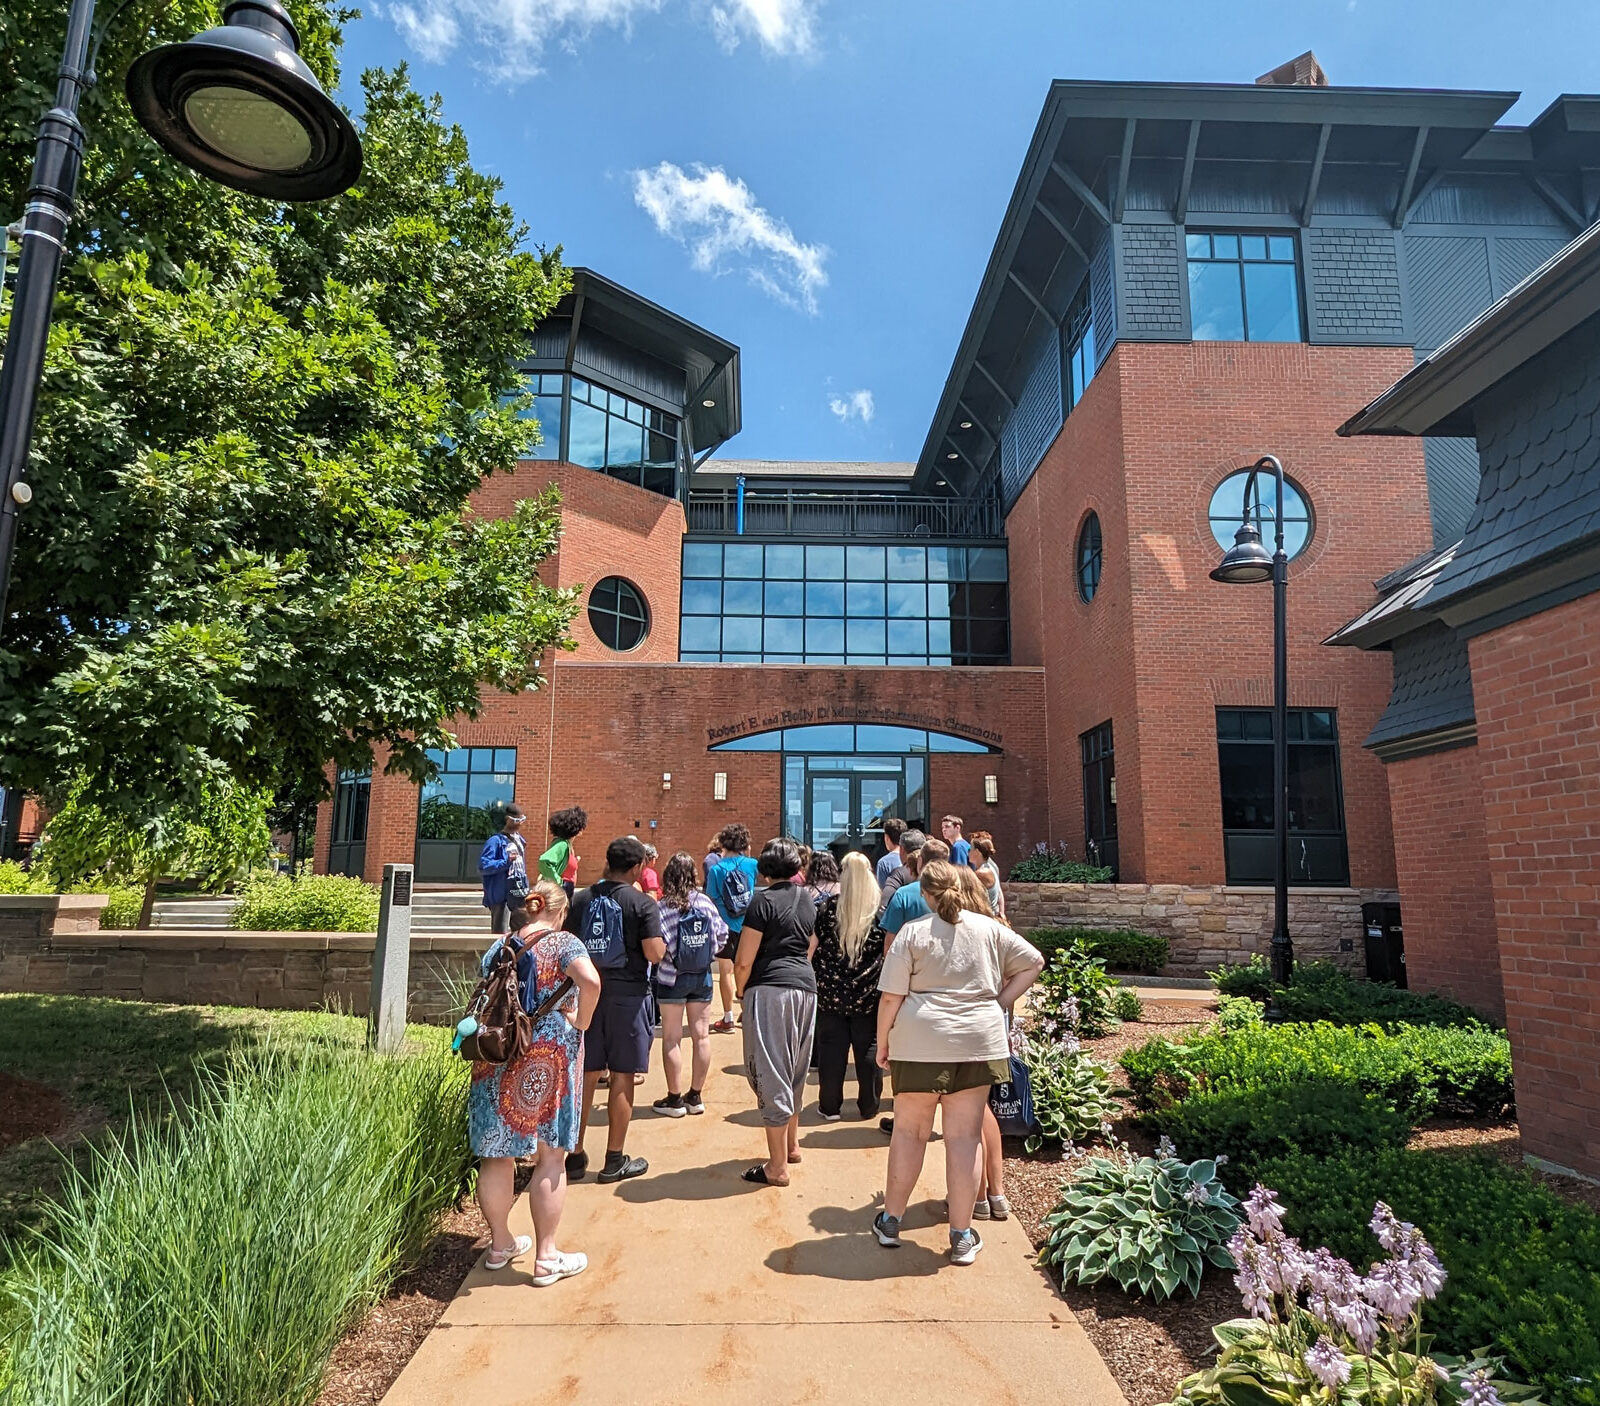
{"x":545,"y":898}
{"x":857,"y":907}
{"x":941,"y":889}
{"x":974,"y":896}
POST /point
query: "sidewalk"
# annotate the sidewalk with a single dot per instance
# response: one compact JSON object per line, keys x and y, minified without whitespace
{"x":703,"y":1288}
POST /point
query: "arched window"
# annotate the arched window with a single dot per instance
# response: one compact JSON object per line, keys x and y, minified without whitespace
{"x":1089,"y":557}
{"x":618,"y":614}
{"x":1227,"y":512}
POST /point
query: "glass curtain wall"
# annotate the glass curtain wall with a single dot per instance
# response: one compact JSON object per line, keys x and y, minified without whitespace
{"x":586,"y":424}
{"x":460,"y":808}
{"x":754,"y":603}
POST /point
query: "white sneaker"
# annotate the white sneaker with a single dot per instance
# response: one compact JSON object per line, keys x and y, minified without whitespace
{"x":964,"y":1246}
{"x":832,"y":1117}
{"x":499,"y":1259}
{"x":563,"y":1266}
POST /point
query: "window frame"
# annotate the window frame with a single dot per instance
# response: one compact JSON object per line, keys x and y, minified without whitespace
{"x":617,"y":616}
{"x":1296,"y":263}
{"x":1087,"y":590}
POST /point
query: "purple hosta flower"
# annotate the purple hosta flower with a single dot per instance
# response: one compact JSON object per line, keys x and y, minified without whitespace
{"x":1479,"y":1390}
{"x":1196,"y":1194}
{"x":1393,"y":1289}
{"x":1358,"y":1320}
{"x":1283,"y":1265}
{"x":1328,"y":1363}
{"x":1165,"y":1148}
{"x":1330,"y":1282}
{"x":1247,"y":1255}
{"x":1262,"y":1210}
{"x":1221,"y":1159}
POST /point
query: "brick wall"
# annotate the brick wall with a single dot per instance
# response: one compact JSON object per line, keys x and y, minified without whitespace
{"x":1537,"y":688}
{"x":1446,"y":897}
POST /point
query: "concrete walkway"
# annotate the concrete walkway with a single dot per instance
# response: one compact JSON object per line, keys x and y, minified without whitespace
{"x":704,"y":1289}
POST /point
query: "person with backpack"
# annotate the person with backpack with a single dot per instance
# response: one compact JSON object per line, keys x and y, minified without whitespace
{"x":528,"y":1106}
{"x":503,"y":867}
{"x":694,"y":932}
{"x":621,"y":930}
{"x":559,"y":863}
{"x":731,"y":884}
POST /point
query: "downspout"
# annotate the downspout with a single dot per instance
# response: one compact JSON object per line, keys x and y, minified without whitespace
{"x":738,"y":520}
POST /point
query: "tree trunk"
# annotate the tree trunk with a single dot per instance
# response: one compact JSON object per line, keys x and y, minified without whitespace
{"x":148,"y":906}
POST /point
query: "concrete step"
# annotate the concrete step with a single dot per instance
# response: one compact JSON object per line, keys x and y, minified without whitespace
{"x":202,"y":911}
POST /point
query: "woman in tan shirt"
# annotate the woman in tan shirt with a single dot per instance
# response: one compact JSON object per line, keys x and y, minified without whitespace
{"x":942,"y":1037}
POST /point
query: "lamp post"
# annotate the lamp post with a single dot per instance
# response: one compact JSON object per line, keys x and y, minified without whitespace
{"x":237,"y":104}
{"x":1247,"y":563}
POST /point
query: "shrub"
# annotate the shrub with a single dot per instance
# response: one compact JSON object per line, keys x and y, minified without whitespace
{"x":1418,"y":1069}
{"x":1071,"y":1092}
{"x":15,"y":879}
{"x":311,"y":903}
{"x":1321,"y":991}
{"x":1251,"y":1126}
{"x":1150,"y":1223}
{"x":1233,"y":1012}
{"x":1126,"y":1005}
{"x":219,"y":1255}
{"x":1121,"y":949}
{"x":1524,"y":1265}
{"x":1054,"y":866}
{"x":1254,"y":978}
{"x":123,"y":906}
{"x":1073,"y":996}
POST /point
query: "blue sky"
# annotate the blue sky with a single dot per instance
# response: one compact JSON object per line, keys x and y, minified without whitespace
{"x":821,"y":181}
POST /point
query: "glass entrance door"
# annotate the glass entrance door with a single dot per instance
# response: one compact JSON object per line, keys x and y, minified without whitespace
{"x":846,"y":811}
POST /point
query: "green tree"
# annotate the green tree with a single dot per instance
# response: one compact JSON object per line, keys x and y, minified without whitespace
{"x":250,"y":549}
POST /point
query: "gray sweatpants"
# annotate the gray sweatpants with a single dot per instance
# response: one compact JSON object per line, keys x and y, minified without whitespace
{"x":779,"y":1022}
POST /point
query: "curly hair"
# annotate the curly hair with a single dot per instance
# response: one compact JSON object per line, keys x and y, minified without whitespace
{"x":568,"y":824}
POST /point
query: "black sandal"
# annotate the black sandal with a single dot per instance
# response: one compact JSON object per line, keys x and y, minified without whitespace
{"x":757,"y":1176}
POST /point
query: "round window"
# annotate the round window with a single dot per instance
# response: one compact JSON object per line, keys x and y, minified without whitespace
{"x":1227,"y":512}
{"x":1089,"y":557}
{"x":618,"y":615}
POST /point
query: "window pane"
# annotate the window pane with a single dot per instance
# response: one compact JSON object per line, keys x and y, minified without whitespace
{"x":624,"y":443}
{"x":939,"y":637}
{"x":1246,"y":786}
{"x":685,"y":657}
{"x":547,"y":411}
{"x":906,"y":602}
{"x":702,"y":597}
{"x":864,"y":598}
{"x":784,"y":636}
{"x":908,"y":637}
{"x":741,"y":560}
{"x":1273,"y":302}
{"x":864,"y":636}
{"x":826,"y":636}
{"x":768,"y":657}
{"x":864,"y":563}
{"x":890,"y":739}
{"x":663,"y":449}
{"x":1258,"y":725}
{"x":834,"y":737}
{"x":785,"y":597}
{"x":824,"y":659}
{"x":702,"y":559}
{"x":1230,"y":724}
{"x":1314,"y":789}
{"x":1198,"y":246}
{"x":1281,"y":248}
{"x":1215,"y":304}
{"x":986,"y":599}
{"x":505,"y":758}
{"x":986,"y":638}
{"x":1225,"y":246}
{"x":701,"y":634}
{"x":437,"y":756}
{"x":741,"y":597}
{"x":1253,"y":246}
{"x":948,"y":742}
{"x":1319,"y":726}
{"x":908,"y":564}
{"x":588,"y":437}
{"x":741,"y":633}
{"x":825,"y":563}
{"x":824,"y":598}
{"x":786,"y":563}
{"x":442,"y":812}
{"x":986,"y":564}
{"x":946,"y":563}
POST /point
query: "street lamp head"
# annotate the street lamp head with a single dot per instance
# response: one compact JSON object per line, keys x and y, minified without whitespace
{"x":1247,"y":561}
{"x":239,"y":104}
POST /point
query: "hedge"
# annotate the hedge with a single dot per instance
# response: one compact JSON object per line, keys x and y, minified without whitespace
{"x":1121,"y":949}
{"x":311,"y":903}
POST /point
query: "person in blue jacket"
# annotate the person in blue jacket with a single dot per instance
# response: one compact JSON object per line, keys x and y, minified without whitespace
{"x":503,"y":864}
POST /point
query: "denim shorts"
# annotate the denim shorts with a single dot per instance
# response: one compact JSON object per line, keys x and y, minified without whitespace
{"x":685,"y":988}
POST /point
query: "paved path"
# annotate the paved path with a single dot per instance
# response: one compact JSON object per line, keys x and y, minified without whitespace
{"x":704,"y":1289}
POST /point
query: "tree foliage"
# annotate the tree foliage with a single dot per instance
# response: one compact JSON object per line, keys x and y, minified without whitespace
{"x":251,"y":548}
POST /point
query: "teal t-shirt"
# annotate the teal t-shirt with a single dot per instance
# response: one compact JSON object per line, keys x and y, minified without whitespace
{"x":906,"y":906}
{"x":717,"y":885}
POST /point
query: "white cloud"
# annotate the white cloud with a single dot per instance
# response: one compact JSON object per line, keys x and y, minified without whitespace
{"x":716,"y":217}
{"x":854,"y":405}
{"x":779,"y":26}
{"x":509,"y":37}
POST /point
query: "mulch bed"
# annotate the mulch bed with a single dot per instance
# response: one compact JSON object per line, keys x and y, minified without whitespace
{"x":29,"y":1109}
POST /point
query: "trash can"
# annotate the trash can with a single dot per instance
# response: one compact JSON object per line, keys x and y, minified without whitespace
{"x":1386,"y":948}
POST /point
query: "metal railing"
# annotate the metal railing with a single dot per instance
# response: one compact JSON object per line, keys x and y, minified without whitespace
{"x":885,"y":516}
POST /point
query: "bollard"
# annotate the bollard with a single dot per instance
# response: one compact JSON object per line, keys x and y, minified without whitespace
{"x":391,"y":962}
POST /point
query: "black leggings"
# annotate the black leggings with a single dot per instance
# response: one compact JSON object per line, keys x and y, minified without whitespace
{"x":837,"y":1037}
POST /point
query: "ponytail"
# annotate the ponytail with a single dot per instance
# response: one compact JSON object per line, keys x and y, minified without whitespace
{"x":941,"y":889}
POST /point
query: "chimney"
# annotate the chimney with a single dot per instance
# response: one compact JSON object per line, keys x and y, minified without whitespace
{"x":1302,"y":72}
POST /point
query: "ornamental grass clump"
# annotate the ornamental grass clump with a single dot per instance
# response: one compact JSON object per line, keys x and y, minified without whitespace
{"x":1149,"y":1223}
{"x":1319,"y":1332}
{"x":217,"y":1255}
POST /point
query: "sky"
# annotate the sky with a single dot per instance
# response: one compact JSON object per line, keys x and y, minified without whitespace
{"x":821,"y":181}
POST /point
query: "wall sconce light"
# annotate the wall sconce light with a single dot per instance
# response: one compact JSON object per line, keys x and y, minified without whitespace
{"x":666,"y":781}
{"x":719,"y":786}
{"x":991,"y":790}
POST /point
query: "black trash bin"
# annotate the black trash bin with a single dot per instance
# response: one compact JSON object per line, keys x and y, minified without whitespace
{"x":1386,"y":948}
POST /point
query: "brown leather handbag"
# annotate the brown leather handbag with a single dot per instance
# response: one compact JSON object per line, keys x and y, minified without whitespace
{"x":504,"y":1029}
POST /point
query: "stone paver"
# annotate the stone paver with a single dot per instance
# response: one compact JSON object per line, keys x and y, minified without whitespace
{"x":702,"y":1288}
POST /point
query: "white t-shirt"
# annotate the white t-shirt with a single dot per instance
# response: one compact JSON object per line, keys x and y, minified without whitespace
{"x":951,"y":975}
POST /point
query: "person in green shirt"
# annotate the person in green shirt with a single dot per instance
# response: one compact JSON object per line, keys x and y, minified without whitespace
{"x":559,"y":863}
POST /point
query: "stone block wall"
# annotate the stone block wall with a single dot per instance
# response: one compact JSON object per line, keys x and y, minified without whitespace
{"x":282,"y":971}
{"x":1207,"y":926}
{"x":41,"y":915}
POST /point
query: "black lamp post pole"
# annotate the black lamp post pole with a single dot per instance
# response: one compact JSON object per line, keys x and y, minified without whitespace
{"x":56,"y":164}
{"x":1282,"y":945}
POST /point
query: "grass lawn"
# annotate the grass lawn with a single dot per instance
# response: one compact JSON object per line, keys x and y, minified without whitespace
{"x":107,"y":1057}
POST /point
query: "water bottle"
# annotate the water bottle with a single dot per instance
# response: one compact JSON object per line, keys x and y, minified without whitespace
{"x":467,"y":1027}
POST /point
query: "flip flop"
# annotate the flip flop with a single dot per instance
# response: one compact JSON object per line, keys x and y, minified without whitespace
{"x":757,"y":1176}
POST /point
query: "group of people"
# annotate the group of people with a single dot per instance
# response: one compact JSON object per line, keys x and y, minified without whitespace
{"x":908,"y":969}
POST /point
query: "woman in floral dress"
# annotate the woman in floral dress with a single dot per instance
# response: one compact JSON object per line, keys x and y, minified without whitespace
{"x":528,"y":1106}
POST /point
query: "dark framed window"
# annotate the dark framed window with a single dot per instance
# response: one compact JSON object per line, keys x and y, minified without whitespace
{"x":1099,"y":797}
{"x":1089,"y":558}
{"x":548,"y":390}
{"x":347,"y":848}
{"x":622,"y":438}
{"x":1227,"y":512}
{"x":460,"y":806}
{"x":1244,"y":288}
{"x":1077,"y":346}
{"x":618,"y":614}
{"x":1318,"y":854}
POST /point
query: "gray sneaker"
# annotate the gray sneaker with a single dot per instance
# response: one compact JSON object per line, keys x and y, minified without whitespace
{"x":980,"y":1210}
{"x":964,"y":1246}
{"x":887,"y":1229}
{"x":999,"y":1208}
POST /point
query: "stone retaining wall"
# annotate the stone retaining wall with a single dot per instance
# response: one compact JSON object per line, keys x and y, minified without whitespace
{"x":1207,"y":926}
{"x":42,"y":915}
{"x":197,"y":966}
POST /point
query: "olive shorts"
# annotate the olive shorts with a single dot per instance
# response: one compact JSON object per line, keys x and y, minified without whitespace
{"x":917,"y":1076}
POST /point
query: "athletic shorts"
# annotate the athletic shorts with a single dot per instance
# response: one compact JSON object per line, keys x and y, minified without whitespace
{"x":730,"y":945}
{"x":620,"y":1035}
{"x":919,"y":1076}
{"x":685,"y":988}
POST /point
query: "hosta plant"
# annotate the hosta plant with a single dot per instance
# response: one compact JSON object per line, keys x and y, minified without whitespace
{"x":1071,"y":1092}
{"x":1073,"y":995}
{"x":1150,"y":1223}
{"x":1321,"y":1334}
